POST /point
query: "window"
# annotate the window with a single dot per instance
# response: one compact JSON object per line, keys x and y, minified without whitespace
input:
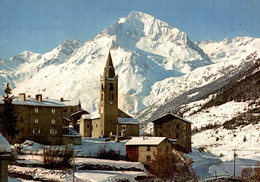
{"x":96,"y":125}
{"x":123,"y":127}
{"x":169,"y":125}
{"x":177,"y":125}
{"x":160,"y":126}
{"x":53,"y":121}
{"x":36,"y":121}
{"x":160,"y":134}
{"x":102,"y":87}
{"x":148,"y":157}
{"x":53,"y":110}
{"x":36,"y":110}
{"x":87,"y":125}
{"x":111,"y":98}
{"x":169,"y":135}
{"x":53,"y":131}
{"x":36,"y":131}
{"x":71,"y":109}
{"x":177,"y":135}
{"x":148,"y":148}
{"x":111,"y":86}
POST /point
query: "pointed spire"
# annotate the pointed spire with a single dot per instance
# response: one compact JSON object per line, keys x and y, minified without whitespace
{"x":109,"y":70}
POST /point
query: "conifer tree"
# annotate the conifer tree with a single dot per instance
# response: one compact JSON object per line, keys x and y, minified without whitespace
{"x":8,"y":116}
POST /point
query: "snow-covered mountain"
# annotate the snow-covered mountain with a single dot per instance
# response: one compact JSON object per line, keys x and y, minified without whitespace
{"x":229,"y":49}
{"x":144,"y":50}
{"x":150,"y":57}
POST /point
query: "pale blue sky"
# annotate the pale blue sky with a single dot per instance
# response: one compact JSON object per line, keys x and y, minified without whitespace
{"x":41,"y":25}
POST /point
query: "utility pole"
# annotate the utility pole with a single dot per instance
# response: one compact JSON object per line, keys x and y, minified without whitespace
{"x":234,"y":162}
{"x":73,"y":176}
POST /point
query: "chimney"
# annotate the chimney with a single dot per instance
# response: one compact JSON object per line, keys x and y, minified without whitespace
{"x":38,"y":97}
{"x":22,"y":96}
{"x":181,"y":114}
{"x":61,"y":99}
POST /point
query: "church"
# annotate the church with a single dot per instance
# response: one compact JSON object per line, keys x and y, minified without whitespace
{"x":109,"y":120}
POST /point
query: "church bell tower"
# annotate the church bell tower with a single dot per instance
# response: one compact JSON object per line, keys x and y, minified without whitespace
{"x":108,"y":108}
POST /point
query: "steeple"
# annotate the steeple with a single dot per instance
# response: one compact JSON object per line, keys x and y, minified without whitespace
{"x":109,"y":70}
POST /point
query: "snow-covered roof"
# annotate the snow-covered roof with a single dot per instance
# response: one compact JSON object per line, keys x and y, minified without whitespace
{"x":94,"y":115}
{"x":66,"y":118}
{"x":170,"y":114}
{"x":145,"y":140}
{"x":81,"y":111}
{"x":73,"y":102}
{"x":73,"y":132}
{"x":33,"y":102}
{"x":127,"y":120}
{"x":4,"y":145}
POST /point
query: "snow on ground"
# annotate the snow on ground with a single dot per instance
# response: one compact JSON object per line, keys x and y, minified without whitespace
{"x":80,"y":175}
{"x":91,"y":146}
{"x":217,"y":114}
{"x":202,"y":162}
{"x":88,"y":148}
{"x":221,"y":141}
{"x":98,"y":176}
{"x":18,"y":180}
{"x":218,"y":143}
{"x":117,"y":164}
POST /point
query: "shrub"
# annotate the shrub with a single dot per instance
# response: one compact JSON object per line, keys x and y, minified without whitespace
{"x":110,"y":154}
{"x":172,"y":166}
{"x":244,"y":139}
{"x":57,"y":157}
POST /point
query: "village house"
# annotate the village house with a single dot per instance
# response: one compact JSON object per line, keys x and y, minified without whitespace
{"x":41,"y":119}
{"x":144,"y":149}
{"x":5,"y":156}
{"x":71,"y":111}
{"x":174,"y":127}
{"x":109,"y":120}
{"x":75,"y":118}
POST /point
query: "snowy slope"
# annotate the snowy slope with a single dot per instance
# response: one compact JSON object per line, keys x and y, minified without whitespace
{"x":144,"y":50}
{"x":193,"y":86}
{"x":228,"y":50}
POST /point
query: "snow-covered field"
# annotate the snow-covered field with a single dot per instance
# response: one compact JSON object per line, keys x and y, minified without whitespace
{"x":110,"y":170}
{"x":217,"y":157}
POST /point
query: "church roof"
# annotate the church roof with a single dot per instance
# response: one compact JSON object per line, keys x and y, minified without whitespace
{"x":109,"y":70}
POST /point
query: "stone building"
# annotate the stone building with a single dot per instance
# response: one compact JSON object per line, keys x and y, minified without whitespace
{"x":39,"y":119}
{"x":174,"y":127}
{"x":71,"y":112}
{"x":109,"y":120}
{"x":144,"y":149}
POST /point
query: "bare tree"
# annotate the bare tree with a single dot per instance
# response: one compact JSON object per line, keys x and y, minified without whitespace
{"x":171,"y":166}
